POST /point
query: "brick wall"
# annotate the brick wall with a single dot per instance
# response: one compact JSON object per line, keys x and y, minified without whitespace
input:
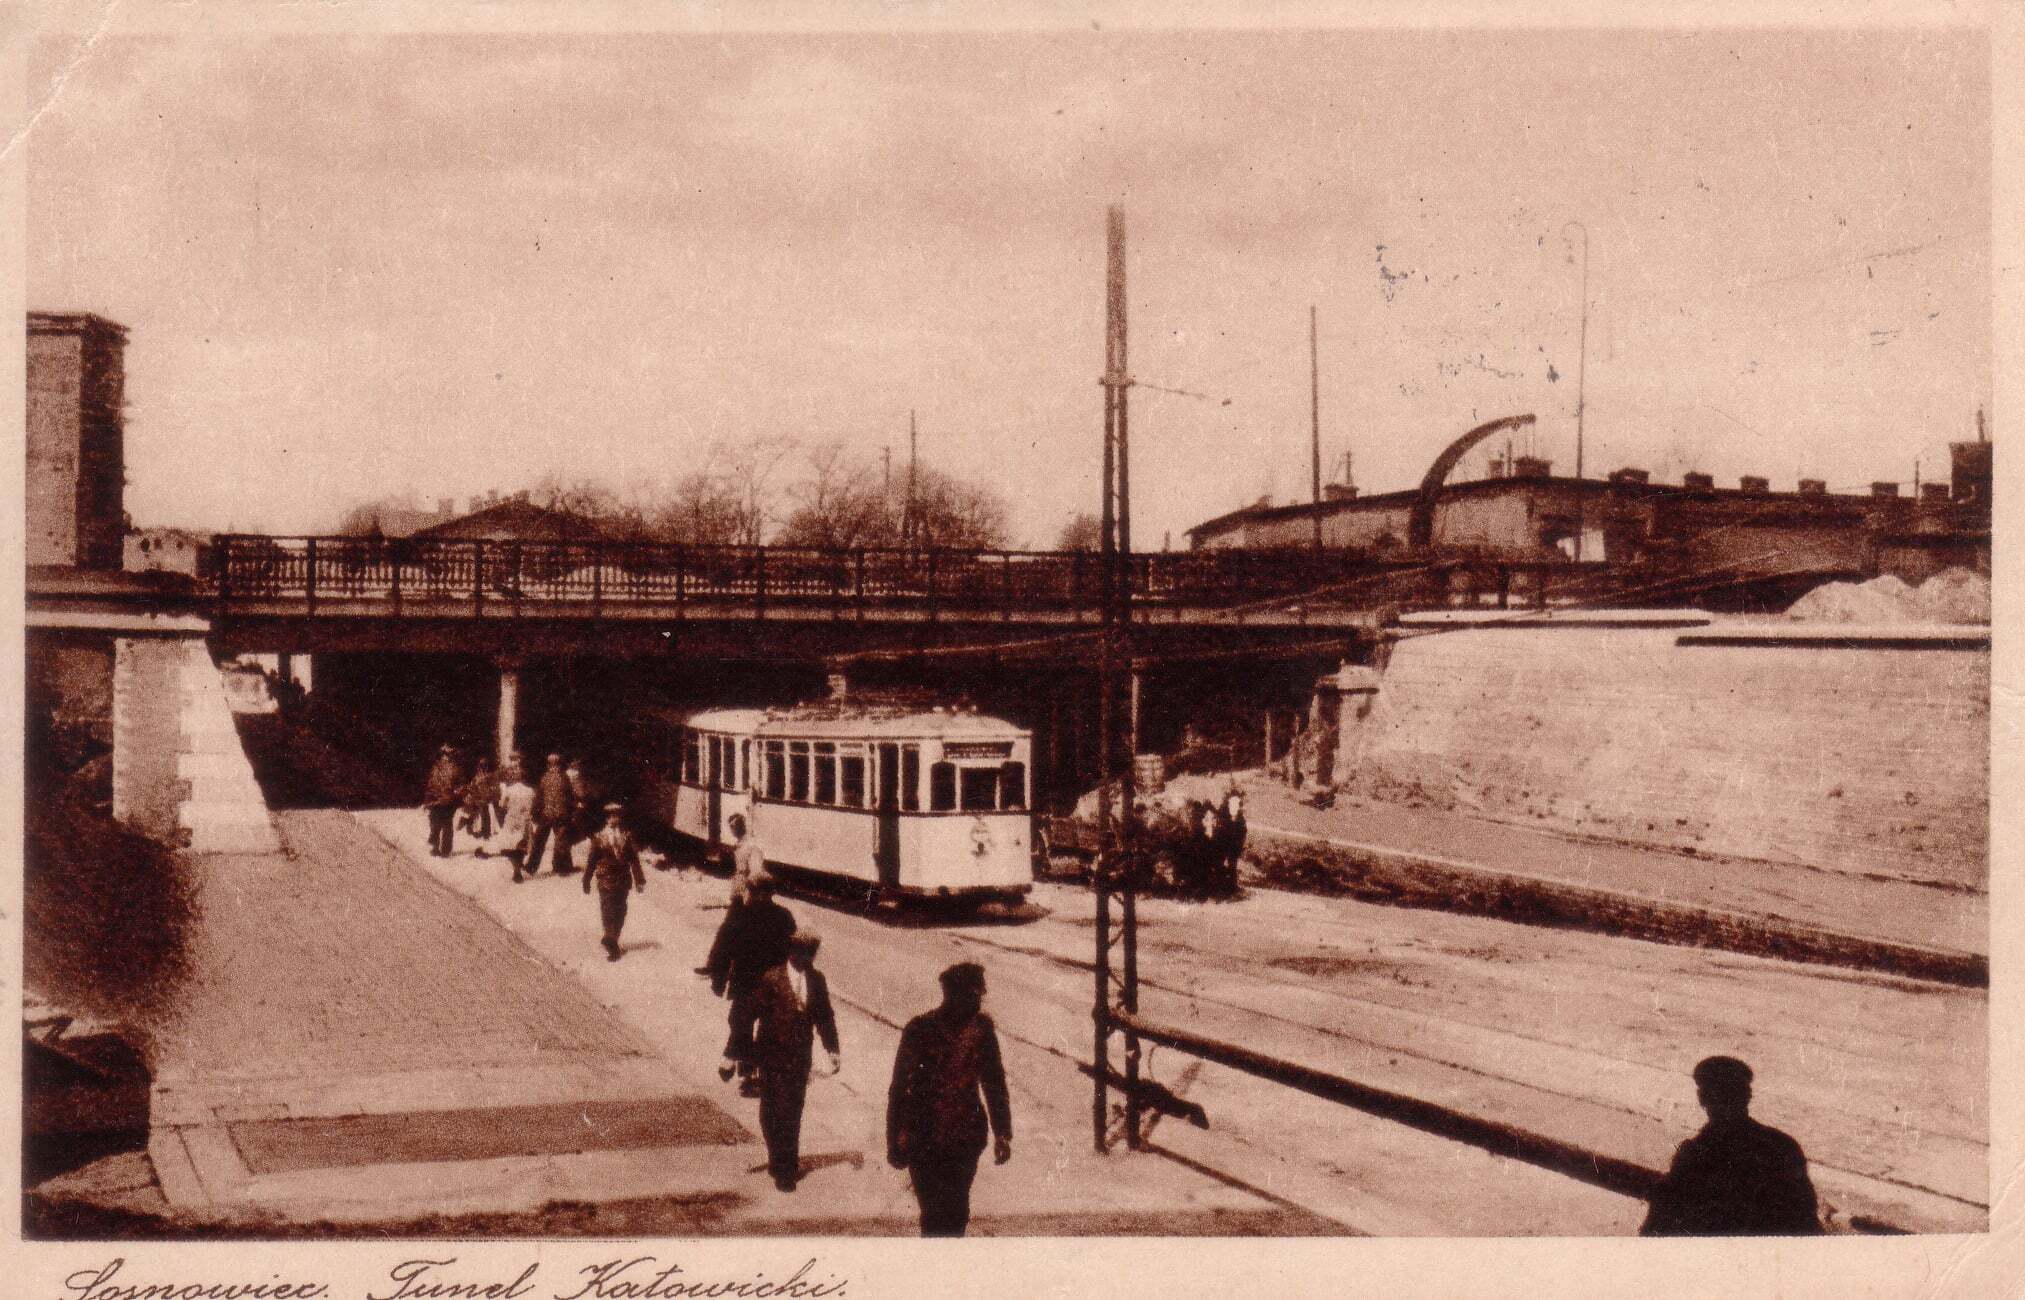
{"x":55,"y":391}
{"x":147,"y":717}
{"x":1862,"y":760}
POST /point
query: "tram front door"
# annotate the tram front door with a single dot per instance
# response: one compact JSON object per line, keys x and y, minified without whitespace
{"x":713,"y":791}
{"x":886,"y":836}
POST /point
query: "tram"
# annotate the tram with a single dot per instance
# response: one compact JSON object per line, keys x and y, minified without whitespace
{"x":885,"y":802}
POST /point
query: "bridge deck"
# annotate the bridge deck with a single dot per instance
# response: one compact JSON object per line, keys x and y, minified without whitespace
{"x":477,"y":579}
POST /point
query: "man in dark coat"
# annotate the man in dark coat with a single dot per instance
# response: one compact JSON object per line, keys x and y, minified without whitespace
{"x":792,"y":1004}
{"x":440,"y":796}
{"x":583,"y":799}
{"x":555,"y":806}
{"x":614,"y":864}
{"x":1737,"y":1177}
{"x":1230,"y":836}
{"x":935,"y":1122}
{"x":752,"y":940}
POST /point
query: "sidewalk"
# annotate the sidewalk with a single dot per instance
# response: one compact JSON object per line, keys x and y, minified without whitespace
{"x":358,"y":1045}
{"x":1767,"y":908}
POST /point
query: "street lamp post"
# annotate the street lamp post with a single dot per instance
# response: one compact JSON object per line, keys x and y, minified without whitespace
{"x":1581,"y":377}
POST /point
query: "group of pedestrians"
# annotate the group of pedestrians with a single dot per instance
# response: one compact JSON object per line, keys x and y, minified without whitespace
{"x":508,"y":816}
{"x":947,"y":1101}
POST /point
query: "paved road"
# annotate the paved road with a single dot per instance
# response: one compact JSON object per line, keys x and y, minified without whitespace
{"x":1587,"y":1038}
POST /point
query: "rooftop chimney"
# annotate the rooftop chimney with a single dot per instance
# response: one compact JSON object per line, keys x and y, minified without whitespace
{"x":1339,"y":491}
{"x":1753,"y":483}
{"x":1883,"y":489}
{"x":1813,"y":487}
{"x":1698,"y":480}
{"x":1629,"y":475}
{"x":1497,"y":467}
{"x":1531,"y":467}
{"x":446,"y":506}
{"x":1931,"y":491}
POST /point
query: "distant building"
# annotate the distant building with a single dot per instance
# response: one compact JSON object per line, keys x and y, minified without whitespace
{"x":76,"y":486}
{"x":167,"y":550}
{"x":1746,"y":534}
{"x":515,"y":519}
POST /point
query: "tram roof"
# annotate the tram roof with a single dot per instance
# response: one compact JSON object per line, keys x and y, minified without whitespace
{"x":911,"y":726}
{"x":736,"y":720}
{"x":827,"y":720}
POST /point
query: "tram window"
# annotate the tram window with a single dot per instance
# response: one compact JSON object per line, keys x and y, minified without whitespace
{"x":942,"y":787}
{"x":1012,"y":786}
{"x":776,"y":771}
{"x":798,"y":771}
{"x":910,"y":778}
{"x":689,"y":758}
{"x":744,"y":764}
{"x":851,"y":781}
{"x":713,"y":768}
{"x":826,"y":773}
{"x":979,"y":788}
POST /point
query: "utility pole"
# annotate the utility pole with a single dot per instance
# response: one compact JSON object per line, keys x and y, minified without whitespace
{"x":886,"y":475}
{"x":909,"y":525}
{"x":1581,"y":378}
{"x":1114,"y":642}
{"x":1315,"y":424}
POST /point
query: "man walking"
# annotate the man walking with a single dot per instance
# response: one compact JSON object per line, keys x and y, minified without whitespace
{"x":747,"y":859}
{"x":554,"y":807}
{"x":614,"y":864}
{"x":1737,"y":1177}
{"x":935,"y":1122}
{"x":481,"y":799}
{"x":793,"y":1006}
{"x":583,"y":816}
{"x":440,"y":796}
{"x":516,"y":816}
{"x":752,"y":940}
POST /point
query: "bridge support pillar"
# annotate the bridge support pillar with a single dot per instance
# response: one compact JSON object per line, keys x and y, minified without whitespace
{"x":507,"y":731}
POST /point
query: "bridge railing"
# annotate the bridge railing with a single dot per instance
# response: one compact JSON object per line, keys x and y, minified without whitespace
{"x":506,"y":577}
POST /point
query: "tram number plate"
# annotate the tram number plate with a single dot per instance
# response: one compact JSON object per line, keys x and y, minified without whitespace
{"x":977,"y":749}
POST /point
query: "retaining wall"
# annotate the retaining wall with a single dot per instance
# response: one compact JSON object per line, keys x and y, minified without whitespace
{"x":1853,"y":759}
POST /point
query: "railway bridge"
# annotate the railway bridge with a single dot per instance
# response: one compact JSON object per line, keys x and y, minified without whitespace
{"x":429,"y":620}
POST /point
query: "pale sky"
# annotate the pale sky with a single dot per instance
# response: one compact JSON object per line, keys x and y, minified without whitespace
{"x":356,"y":266}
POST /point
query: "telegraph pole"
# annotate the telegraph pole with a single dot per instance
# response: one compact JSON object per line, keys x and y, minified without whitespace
{"x":1315,"y":423}
{"x":908,"y":524}
{"x":1114,"y":640}
{"x":1581,"y":378}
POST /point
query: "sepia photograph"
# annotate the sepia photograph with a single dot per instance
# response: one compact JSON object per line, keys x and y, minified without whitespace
{"x":886,"y":626}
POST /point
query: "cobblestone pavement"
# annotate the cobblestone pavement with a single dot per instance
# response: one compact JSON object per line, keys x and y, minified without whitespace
{"x":340,"y":958}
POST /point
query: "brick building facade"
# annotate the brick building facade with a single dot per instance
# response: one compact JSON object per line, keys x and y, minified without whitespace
{"x":75,"y":494}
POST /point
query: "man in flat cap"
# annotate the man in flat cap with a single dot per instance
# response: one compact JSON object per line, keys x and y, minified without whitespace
{"x":752,"y":940}
{"x":1737,"y":1177}
{"x":614,"y":864}
{"x":440,"y":796}
{"x":792,"y":1007}
{"x":935,"y":1122}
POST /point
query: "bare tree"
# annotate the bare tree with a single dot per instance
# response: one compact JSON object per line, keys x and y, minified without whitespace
{"x":839,"y":504}
{"x":1083,"y":532}
{"x":957,"y":513}
{"x":699,"y":511}
{"x":747,"y":475}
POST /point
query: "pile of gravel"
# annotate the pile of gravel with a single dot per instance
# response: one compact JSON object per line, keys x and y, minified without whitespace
{"x":1951,"y":596}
